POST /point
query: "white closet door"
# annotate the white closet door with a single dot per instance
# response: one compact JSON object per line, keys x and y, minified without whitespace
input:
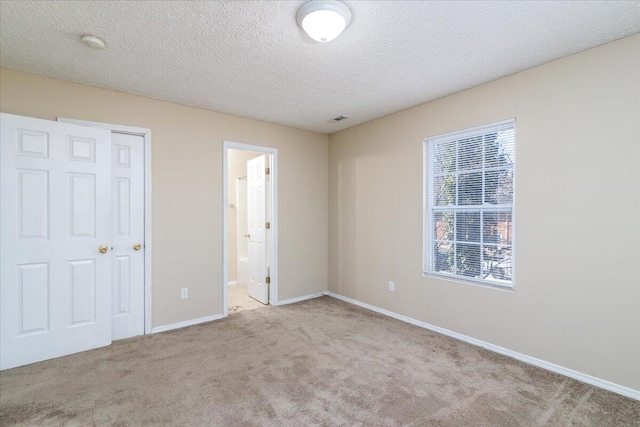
{"x":256,"y":212}
{"x":128,"y":234}
{"x":55,"y":287}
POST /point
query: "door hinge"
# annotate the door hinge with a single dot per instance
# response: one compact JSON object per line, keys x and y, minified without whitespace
{"x":267,"y":280}
{"x":267,"y":225}
{"x":267,"y":171}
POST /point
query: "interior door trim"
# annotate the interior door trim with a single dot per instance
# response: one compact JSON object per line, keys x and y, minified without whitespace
{"x":146,"y":134}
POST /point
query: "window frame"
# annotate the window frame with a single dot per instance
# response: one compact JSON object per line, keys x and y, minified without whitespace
{"x":429,"y":239}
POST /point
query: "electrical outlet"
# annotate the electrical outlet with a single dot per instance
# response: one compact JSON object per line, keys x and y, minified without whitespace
{"x":184,"y":293}
{"x":392,"y":286}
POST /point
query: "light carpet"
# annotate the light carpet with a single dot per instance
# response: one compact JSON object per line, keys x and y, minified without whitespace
{"x":318,"y":362}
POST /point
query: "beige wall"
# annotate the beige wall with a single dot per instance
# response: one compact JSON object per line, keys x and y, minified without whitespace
{"x":237,"y":168}
{"x":187,"y":188}
{"x":577,"y":297}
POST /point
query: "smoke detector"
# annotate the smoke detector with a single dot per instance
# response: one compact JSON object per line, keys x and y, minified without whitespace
{"x":93,"y":42}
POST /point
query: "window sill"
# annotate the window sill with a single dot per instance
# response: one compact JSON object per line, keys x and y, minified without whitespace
{"x":470,"y":281}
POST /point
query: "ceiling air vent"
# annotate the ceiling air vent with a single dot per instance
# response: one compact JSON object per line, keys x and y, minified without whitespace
{"x":338,"y":119}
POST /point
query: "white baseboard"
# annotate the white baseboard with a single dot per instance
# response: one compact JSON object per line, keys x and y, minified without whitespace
{"x":185,"y":323}
{"x":233,"y":282}
{"x":607,"y":385}
{"x":298,"y":299}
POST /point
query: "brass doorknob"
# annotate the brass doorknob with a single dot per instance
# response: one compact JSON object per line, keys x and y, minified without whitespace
{"x":247,"y":235}
{"x":103,"y":249}
{"x":137,"y":247}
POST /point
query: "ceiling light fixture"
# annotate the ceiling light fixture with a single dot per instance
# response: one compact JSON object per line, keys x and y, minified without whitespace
{"x":93,"y":42}
{"x":323,"y":20}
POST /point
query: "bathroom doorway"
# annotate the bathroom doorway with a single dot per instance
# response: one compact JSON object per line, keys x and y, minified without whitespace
{"x":249,"y":228}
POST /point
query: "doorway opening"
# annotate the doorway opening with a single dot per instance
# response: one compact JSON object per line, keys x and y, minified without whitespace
{"x":250,"y":277}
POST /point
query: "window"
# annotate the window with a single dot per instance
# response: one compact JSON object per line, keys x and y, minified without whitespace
{"x":469,"y":193}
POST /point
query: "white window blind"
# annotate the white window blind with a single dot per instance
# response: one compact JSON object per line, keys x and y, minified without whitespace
{"x":468,"y":215}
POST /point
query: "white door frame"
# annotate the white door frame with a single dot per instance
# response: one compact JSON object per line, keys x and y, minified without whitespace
{"x":146,"y":134}
{"x":273,"y":250}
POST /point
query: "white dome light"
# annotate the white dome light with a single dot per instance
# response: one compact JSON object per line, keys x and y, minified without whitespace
{"x":323,"y":20}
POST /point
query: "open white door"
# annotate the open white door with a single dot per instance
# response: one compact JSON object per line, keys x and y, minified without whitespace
{"x":256,"y":212}
{"x":128,"y":235}
{"x":55,"y":237}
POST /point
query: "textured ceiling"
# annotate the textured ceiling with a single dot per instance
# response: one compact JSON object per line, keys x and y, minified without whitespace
{"x":249,"y":58}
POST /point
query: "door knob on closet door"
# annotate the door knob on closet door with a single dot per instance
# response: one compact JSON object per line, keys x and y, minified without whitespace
{"x":103,"y":249}
{"x":137,"y":247}
{"x":247,"y":235}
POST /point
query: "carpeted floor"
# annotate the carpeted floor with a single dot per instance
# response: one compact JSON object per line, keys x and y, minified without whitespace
{"x":319,"y":362}
{"x":239,"y":299}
